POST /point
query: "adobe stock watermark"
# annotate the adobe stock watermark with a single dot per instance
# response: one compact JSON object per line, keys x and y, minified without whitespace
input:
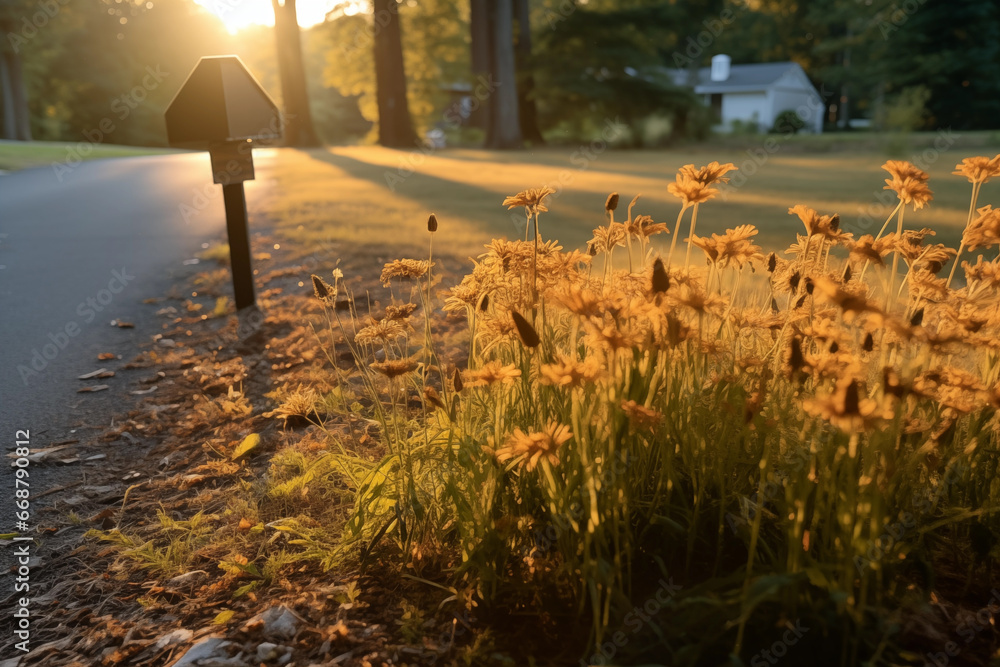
{"x":485,"y":87}
{"x":886,"y":200}
{"x":363,"y":38}
{"x":545,"y":538}
{"x":559,"y":525}
{"x":33,"y":23}
{"x":780,"y":648}
{"x":969,"y":626}
{"x":22,"y":501}
{"x":87,"y":310}
{"x":749,"y":506}
{"x":250,"y":320}
{"x":203,"y":197}
{"x":696,"y":45}
{"x":47,"y":10}
{"x":582,"y":158}
{"x":634,"y":621}
{"x":556,"y":15}
{"x":758,"y":157}
{"x":121,"y":108}
{"x":896,"y":16}
{"x":220,"y":7}
{"x":922,"y":501}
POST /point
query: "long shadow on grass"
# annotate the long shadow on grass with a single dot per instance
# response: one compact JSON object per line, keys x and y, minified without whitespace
{"x":444,"y":197}
{"x":570,"y":223}
{"x":574,"y":212}
{"x":655,"y":164}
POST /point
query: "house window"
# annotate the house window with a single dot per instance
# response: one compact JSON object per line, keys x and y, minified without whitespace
{"x":716,"y":104}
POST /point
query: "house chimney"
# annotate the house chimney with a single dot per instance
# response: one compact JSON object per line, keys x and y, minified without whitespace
{"x":720,"y":67}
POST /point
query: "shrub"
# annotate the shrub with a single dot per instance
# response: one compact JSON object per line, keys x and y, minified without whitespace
{"x":788,"y":122}
{"x":744,"y":127}
{"x":906,"y":111}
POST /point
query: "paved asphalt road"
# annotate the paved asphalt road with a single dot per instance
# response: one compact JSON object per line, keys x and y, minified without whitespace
{"x":75,"y":254}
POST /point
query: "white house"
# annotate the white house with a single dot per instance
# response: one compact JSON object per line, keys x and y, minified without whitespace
{"x":755,"y":93}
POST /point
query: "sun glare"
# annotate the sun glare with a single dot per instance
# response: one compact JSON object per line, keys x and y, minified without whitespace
{"x":239,"y":14}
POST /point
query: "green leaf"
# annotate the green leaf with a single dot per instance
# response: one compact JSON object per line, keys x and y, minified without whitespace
{"x":243,"y":590}
{"x":660,"y":520}
{"x":249,"y":443}
{"x":223,"y":617}
{"x":818,"y":578}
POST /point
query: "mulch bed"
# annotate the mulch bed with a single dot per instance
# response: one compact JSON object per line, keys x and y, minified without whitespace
{"x":91,"y":607}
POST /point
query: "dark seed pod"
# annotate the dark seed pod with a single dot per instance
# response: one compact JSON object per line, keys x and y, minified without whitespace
{"x":835,"y":222}
{"x":809,"y":285}
{"x":321,"y":288}
{"x":772,"y":262}
{"x":774,"y":306}
{"x":801,"y":300}
{"x":484,"y":303}
{"x":847,"y":273}
{"x":834,"y":347}
{"x":525,"y":331}
{"x":612,"y":202}
{"x":793,"y":282}
{"x":917,"y":318}
{"x":869,"y":343}
{"x":661,"y":281}
{"x":852,"y":401}
{"x":796,"y":360}
{"x":458,"y":381}
{"x":432,"y":223}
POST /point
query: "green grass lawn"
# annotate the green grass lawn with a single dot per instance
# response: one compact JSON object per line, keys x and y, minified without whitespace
{"x":15,"y":155}
{"x":382,"y":196}
{"x":377,"y":196}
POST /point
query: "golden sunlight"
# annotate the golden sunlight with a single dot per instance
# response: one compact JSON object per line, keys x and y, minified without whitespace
{"x":239,"y":14}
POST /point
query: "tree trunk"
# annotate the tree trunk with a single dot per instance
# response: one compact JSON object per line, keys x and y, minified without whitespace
{"x":21,"y":113}
{"x":13,"y":93}
{"x":298,"y":125}
{"x":481,"y":30}
{"x":9,"y":130}
{"x":526,"y":79}
{"x":680,"y":128}
{"x":505,"y":124}
{"x":395,"y":128}
{"x":843,"y":106}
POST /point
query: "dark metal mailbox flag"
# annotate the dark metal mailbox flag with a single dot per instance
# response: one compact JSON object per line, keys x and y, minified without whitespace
{"x":221,"y":108}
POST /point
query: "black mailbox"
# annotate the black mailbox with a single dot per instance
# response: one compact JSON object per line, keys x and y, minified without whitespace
{"x":221,"y":108}
{"x":220,"y":102}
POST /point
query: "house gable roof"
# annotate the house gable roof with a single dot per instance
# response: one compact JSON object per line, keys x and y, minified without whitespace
{"x":742,"y":78}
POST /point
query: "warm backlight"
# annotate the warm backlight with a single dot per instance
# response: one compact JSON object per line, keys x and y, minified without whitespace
{"x":238,"y":14}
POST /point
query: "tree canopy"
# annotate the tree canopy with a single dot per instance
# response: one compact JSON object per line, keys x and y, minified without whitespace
{"x":576,"y":62}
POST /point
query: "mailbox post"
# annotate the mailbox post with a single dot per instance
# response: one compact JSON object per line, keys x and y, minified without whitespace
{"x":239,"y":244}
{"x":221,"y":108}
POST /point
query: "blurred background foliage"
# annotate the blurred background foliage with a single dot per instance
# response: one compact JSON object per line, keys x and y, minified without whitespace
{"x":921,"y":64}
